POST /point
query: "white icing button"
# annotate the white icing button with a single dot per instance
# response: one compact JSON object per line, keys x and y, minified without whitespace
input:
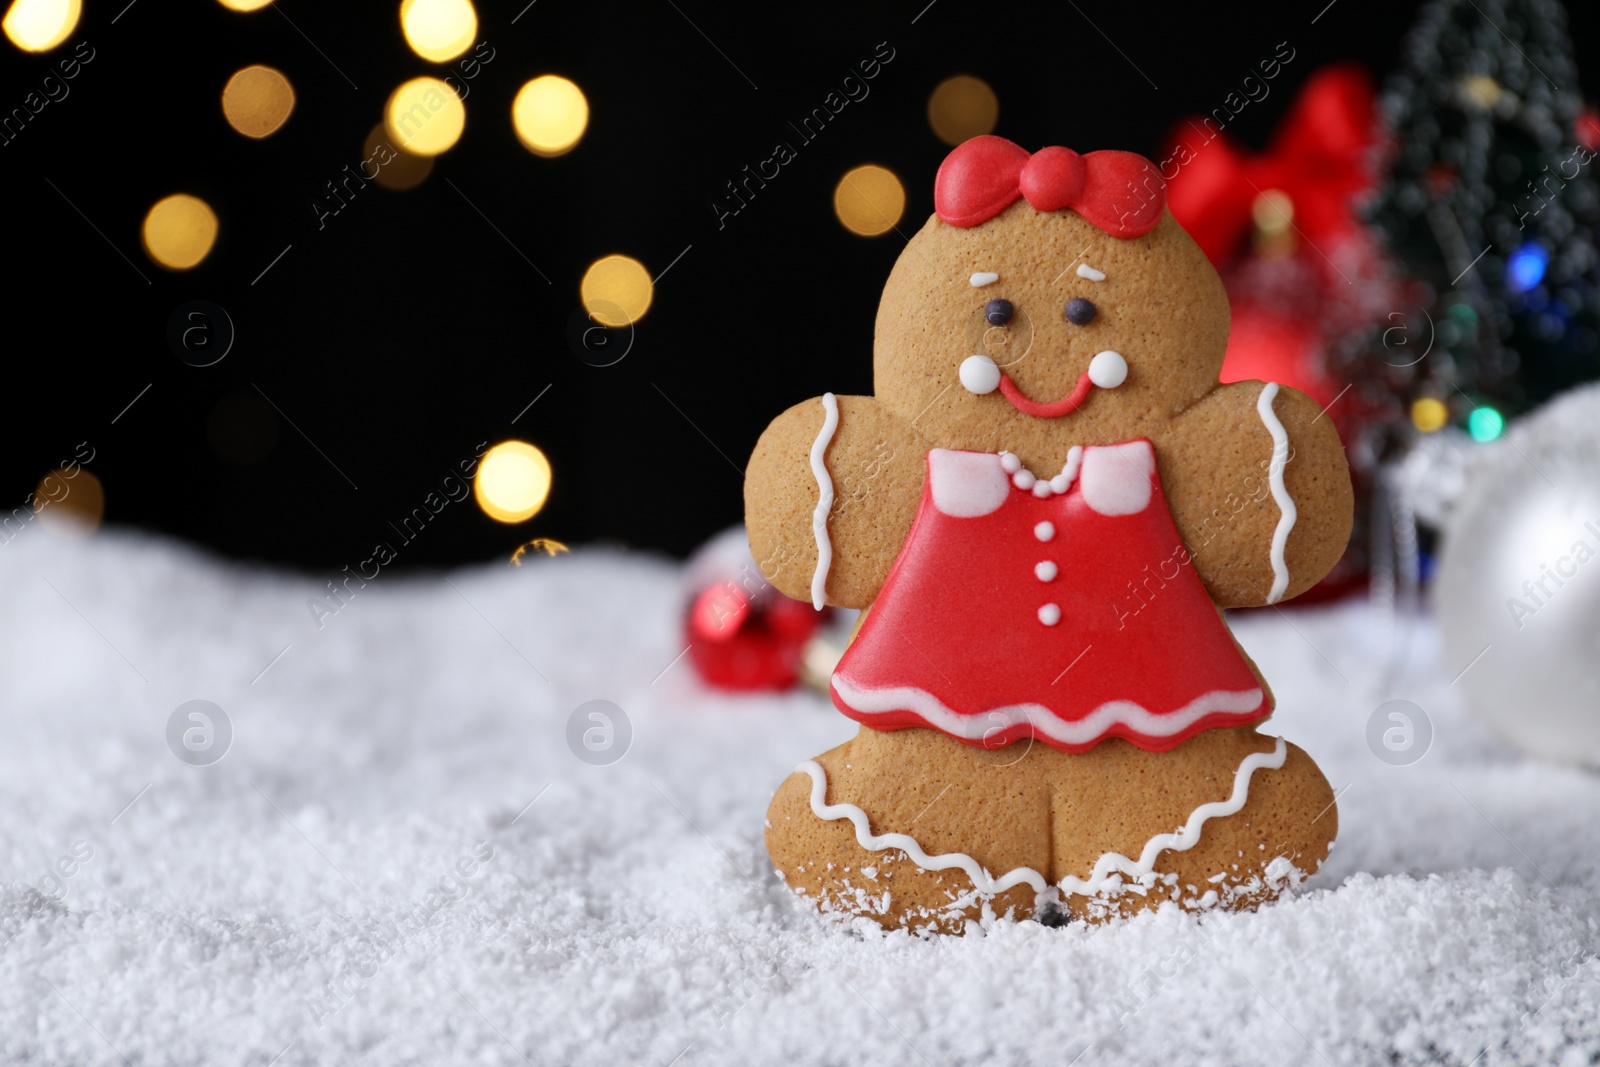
{"x":980,"y":375}
{"x":983,"y":278}
{"x":1045,"y":571}
{"x":1023,"y":479}
{"x":1050,"y":614}
{"x":1107,"y":370}
{"x":1042,"y":489}
{"x":1045,"y":531}
{"x":1086,"y":271}
{"x":1010,"y":463}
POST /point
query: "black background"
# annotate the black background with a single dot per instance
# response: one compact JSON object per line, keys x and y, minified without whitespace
{"x":406,"y":330}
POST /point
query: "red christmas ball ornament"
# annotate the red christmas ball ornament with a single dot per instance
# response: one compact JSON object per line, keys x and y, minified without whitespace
{"x":743,"y":634}
{"x":1287,"y":349}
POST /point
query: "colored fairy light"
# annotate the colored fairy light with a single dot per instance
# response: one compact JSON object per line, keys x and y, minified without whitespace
{"x":869,"y":200}
{"x":1485,"y":424}
{"x":550,"y":114}
{"x":513,"y":482}
{"x":1429,"y":414}
{"x":1525,"y":268}
{"x":616,"y":290}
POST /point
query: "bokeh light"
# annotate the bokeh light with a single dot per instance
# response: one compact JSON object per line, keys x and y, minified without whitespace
{"x":1485,"y":424}
{"x":1525,"y":267}
{"x":244,"y":5}
{"x":424,"y":116}
{"x":71,"y":505}
{"x":512,"y":483}
{"x":869,"y":200}
{"x":393,"y":168}
{"x":257,"y":101}
{"x":179,"y":231}
{"x":962,"y":107}
{"x":550,"y":114}
{"x":1429,"y":414}
{"x":616,"y":290}
{"x":438,"y":30}
{"x":40,"y":25}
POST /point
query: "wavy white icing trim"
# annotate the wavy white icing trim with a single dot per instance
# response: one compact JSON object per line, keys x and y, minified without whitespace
{"x":908,"y":844}
{"x":1110,"y":866}
{"x":819,"y":517}
{"x":1287,"y":512}
{"x":1187,"y":836}
{"x":1137,"y":717}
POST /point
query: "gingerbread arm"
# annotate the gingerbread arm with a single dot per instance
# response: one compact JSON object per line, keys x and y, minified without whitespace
{"x":1243,"y":467}
{"x":875,"y":464}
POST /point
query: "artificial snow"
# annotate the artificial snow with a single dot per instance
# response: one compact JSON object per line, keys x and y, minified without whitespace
{"x":400,"y":860}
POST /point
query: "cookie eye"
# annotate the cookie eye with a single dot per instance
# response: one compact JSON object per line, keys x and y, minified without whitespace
{"x":1079,"y":311}
{"x":998,"y":312}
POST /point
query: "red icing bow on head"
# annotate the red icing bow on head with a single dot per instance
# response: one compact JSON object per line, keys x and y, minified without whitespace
{"x":1120,"y":192}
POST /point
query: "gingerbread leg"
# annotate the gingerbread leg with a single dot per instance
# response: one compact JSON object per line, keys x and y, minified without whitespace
{"x":936,"y":813}
{"x":1230,"y":818}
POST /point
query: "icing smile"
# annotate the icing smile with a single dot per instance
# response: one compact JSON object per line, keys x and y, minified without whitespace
{"x":1065,"y":406}
{"x":980,"y":375}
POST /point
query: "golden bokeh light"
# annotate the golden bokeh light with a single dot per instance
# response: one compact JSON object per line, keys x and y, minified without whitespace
{"x":616,"y":290}
{"x":257,"y":100}
{"x":512,"y":483}
{"x":179,"y":231}
{"x":395,"y":168}
{"x":869,"y":200}
{"x":1429,"y":414}
{"x":550,"y":114}
{"x":438,"y":30}
{"x":244,"y":5}
{"x":40,"y":25}
{"x":961,"y":108}
{"x":71,"y":503}
{"x":424,"y":116}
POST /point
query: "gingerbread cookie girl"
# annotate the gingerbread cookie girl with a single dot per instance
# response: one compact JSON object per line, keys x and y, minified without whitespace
{"x":1042,"y":511}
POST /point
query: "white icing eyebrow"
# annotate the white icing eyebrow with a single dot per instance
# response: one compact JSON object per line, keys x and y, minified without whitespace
{"x":1086,"y":271}
{"x":982,"y":278}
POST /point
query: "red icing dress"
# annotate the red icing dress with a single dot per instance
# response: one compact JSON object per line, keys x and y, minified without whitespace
{"x":1066,"y":610}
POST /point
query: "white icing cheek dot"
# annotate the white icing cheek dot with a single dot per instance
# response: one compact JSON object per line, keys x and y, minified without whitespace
{"x":983,"y":278}
{"x":1045,"y":531}
{"x":1086,"y":271}
{"x":1045,"y":571}
{"x":1050,"y":614}
{"x":1107,"y":370}
{"x":979,"y":375}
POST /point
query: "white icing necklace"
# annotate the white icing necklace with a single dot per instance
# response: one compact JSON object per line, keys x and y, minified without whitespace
{"x":1027,"y":481}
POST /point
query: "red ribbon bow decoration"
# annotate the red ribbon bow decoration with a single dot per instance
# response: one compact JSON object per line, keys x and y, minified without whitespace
{"x":1119,"y":192}
{"x":1319,"y":163}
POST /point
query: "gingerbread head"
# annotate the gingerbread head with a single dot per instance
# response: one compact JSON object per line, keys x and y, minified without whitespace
{"x":1042,"y":508}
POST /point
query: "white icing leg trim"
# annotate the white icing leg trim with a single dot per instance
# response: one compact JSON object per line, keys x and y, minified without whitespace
{"x":1280,"y":494}
{"x":819,"y":517}
{"x":1108,"y":869}
{"x":908,"y":844}
{"x":1112,"y":864}
{"x":935,"y":713}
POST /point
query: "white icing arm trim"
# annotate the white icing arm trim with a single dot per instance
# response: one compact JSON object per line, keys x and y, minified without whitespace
{"x":1110,"y":866}
{"x":908,"y":844}
{"x":1287,"y":513}
{"x":1046,"y":723}
{"x":819,"y":517}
